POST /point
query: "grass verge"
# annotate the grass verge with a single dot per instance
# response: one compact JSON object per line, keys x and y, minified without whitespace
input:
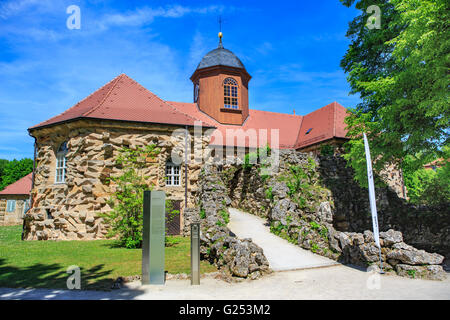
{"x":43,"y":264}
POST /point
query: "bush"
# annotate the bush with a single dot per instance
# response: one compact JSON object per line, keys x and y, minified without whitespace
{"x":326,"y":150}
{"x":126,"y":218}
{"x":252,"y":158}
{"x":426,"y":186}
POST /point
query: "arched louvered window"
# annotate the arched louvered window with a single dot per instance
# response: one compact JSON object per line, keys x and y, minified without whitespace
{"x":230,"y":93}
{"x":60,"y":176}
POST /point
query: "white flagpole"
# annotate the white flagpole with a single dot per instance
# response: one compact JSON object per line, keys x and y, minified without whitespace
{"x":373,"y":205}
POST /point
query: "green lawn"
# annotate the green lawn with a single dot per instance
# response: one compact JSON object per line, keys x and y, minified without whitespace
{"x":43,"y":264}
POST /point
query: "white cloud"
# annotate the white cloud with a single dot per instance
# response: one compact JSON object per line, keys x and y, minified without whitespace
{"x":14,"y":7}
{"x":146,"y":15}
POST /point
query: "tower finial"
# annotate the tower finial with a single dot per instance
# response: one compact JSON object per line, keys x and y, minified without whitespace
{"x":220,"y":40}
{"x":220,"y":32}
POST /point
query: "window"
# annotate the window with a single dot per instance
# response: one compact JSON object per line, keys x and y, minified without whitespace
{"x":172,"y":174}
{"x":60,"y":176}
{"x":196,"y":91}
{"x":10,"y":205}
{"x":26,"y":206}
{"x":309,"y":130}
{"x":230,"y":93}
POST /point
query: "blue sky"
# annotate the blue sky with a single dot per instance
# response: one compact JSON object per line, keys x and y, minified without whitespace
{"x":292,"y":49}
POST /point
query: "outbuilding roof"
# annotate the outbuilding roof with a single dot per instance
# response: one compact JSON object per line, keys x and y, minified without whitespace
{"x":22,"y":186}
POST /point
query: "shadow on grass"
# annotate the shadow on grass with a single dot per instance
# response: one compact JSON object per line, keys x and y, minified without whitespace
{"x":170,"y":242}
{"x":41,"y":275}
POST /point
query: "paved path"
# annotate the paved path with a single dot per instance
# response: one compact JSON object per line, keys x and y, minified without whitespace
{"x":282,"y":255}
{"x":337,"y":282}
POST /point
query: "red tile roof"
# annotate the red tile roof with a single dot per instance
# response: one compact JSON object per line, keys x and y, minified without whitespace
{"x":123,"y":99}
{"x":322,"y":124}
{"x":287,"y":124}
{"x":22,"y":186}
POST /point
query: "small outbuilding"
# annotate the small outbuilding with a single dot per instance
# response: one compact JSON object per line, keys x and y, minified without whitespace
{"x":15,"y":201}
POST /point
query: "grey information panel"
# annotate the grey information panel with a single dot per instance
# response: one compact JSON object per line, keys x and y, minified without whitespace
{"x":195,"y":253}
{"x":153,"y":237}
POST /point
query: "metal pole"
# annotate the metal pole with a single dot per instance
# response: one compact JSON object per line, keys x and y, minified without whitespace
{"x":381,"y":261}
{"x":186,"y":169}
{"x":195,"y":253}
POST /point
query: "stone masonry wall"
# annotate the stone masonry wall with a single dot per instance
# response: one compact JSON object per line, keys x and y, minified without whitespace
{"x":15,"y":217}
{"x":330,"y":219}
{"x":69,"y":211}
{"x":240,"y":258}
{"x":425,"y":227}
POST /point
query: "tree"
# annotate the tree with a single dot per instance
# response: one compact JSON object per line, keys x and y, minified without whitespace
{"x":401,"y":74}
{"x":11,"y":171}
{"x":426,"y":186}
{"x":126,"y":218}
{"x":3,"y":164}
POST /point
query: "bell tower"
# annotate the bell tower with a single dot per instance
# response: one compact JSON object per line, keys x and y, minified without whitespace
{"x":221,"y":86}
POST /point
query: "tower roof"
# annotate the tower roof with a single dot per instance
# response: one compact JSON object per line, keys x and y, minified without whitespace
{"x":220,"y":57}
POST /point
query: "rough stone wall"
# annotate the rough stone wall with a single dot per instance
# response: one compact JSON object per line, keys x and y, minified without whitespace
{"x":15,"y":217}
{"x":69,"y":211}
{"x":330,"y":219}
{"x":236,"y":257}
{"x":425,"y":227}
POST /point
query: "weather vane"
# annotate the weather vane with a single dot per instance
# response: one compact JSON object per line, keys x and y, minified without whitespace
{"x":220,"y":31}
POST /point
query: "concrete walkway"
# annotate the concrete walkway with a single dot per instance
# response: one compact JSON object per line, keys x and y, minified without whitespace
{"x":339,"y":282}
{"x":282,"y":255}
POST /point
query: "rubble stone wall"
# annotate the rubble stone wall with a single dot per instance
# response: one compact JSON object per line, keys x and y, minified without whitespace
{"x":425,"y":227}
{"x":15,"y":217}
{"x":330,"y":215}
{"x":236,"y":257}
{"x":69,"y":211}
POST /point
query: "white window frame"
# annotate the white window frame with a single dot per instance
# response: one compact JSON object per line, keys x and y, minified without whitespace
{"x":230,"y":94}
{"x":60,"y":170}
{"x":173,"y":175}
{"x":10,"y":205}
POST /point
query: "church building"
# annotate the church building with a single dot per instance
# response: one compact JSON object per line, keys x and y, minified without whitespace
{"x":75,"y":151}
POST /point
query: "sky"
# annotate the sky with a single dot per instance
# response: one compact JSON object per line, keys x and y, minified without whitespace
{"x":292,"y":50}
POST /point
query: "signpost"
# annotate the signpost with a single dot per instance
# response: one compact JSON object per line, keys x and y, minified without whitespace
{"x":153,"y":237}
{"x":195,"y":253}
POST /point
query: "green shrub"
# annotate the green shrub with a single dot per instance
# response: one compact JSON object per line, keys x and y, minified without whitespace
{"x":315,"y":247}
{"x":225,"y":215}
{"x":202,"y":213}
{"x":324,"y":233}
{"x":411,"y":273}
{"x":314,"y":225}
{"x":427,"y":186}
{"x":252,"y":158}
{"x":269,"y":194}
{"x":126,"y":217}
{"x":326,"y":150}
